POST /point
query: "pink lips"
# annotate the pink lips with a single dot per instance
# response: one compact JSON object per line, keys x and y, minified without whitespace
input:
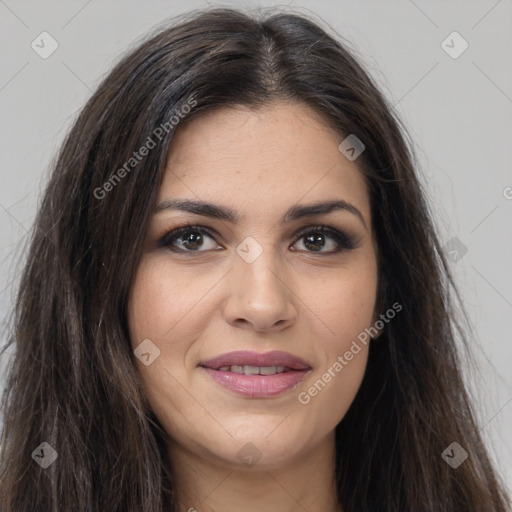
{"x":256,"y":386}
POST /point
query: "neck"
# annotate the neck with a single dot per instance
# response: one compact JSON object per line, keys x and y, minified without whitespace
{"x":208,"y":484}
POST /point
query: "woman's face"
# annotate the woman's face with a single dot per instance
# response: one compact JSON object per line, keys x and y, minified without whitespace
{"x":262,"y":279}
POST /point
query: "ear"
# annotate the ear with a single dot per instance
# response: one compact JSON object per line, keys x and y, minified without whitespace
{"x":380,"y":306}
{"x":379,"y":319}
{"x":376,"y":323}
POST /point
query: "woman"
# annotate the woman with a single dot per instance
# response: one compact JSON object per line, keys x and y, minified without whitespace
{"x":235,"y":296}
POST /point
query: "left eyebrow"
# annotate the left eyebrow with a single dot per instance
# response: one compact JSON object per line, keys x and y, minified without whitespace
{"x":310,"y":210}
{"x":224,"y":213}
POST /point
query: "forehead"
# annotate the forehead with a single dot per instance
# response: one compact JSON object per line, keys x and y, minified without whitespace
{"x":280,"y":154}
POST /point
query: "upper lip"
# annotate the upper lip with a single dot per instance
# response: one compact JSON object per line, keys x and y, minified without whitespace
{"x":246,"y":357}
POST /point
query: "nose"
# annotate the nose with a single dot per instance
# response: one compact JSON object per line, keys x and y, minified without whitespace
{"x":258,"y":296}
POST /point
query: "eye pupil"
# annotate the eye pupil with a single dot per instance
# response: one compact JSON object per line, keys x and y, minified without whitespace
{"x":312,"y":239}
{"x":193,"y":240}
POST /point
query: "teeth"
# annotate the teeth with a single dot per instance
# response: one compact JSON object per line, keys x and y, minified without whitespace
{"x":252,"y":370}
{"x":270,"y":370}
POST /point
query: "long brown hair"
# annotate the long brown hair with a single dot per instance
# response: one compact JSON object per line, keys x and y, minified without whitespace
{"x":73,"y":383}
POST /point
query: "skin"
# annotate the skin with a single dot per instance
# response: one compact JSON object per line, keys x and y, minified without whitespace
{"x":310,"y":303}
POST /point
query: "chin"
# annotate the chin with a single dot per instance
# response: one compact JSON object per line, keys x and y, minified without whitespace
{"x":264,"y":445}
{"x":255,"y":454}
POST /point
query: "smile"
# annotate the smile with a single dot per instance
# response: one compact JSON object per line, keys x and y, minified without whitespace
{"x":256,"y":375}
{"x":253,"y":370}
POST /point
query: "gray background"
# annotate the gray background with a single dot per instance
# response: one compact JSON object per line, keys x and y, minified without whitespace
{"x":458,"y":111}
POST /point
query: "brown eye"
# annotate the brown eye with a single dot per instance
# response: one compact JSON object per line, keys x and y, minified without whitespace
{"x":317,"y":238}
{"x":188,"y":239}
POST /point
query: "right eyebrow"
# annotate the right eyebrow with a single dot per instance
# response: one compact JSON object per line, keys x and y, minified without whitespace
{"x":199,"y":208}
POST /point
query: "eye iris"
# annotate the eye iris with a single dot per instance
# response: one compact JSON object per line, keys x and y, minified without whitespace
{"x":313,"y":239}
{"x":193,"y":240}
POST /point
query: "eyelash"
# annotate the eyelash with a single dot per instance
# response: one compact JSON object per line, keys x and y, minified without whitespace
{"x":344,"y":241}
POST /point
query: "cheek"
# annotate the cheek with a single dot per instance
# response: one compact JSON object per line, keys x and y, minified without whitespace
{"x":326,"y":397}
{"x":343,"y":303}
{"x":162,"y":308}
{"x":343,"y":306}
{"x":162,"y":302}
{"x":146,"y":304}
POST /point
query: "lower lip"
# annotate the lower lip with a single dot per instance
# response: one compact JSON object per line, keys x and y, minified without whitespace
{"x":256,"y":386}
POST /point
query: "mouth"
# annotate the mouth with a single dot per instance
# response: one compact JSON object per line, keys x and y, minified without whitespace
{"x":248,"y":361}
{"x":254,"y":370}
{"x":256,"y":375}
